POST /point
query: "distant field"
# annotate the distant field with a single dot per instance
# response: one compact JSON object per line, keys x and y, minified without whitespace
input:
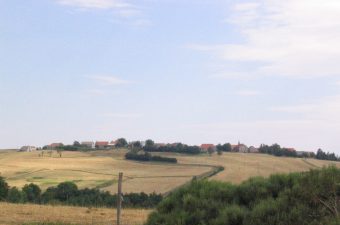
{"x":13,"y":214}
{"x":94,"y":169}
{"x":99,"y":169}
{"x":241,"y":166}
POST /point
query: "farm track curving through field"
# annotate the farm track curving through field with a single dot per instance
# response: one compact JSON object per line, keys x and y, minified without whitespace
{"x":310,"y":164}
{"x":25,"y":174}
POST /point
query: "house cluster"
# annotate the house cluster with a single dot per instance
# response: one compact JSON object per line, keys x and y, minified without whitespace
{"x":88,"y":144}
{"x":242,"y":148}
{"x":234,"y":148}
{"x":101,"y":144}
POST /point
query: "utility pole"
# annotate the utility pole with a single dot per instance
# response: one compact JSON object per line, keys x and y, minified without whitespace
{"x":119,"y":197}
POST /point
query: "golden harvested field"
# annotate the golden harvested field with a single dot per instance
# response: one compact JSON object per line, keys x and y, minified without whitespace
{"x":241,"y":166}
{"x":94,"y":169}
{"x":100,"y":169}
{"x":13,"y":214}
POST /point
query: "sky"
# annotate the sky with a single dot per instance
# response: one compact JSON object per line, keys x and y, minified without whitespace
{"x":194,"y":71}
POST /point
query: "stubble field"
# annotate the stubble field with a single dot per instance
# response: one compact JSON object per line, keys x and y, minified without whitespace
{"x":100,"y":169}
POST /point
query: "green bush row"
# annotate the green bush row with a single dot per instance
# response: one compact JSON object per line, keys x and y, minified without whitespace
{"x":310,"y":198}
{"x":67,"y":193}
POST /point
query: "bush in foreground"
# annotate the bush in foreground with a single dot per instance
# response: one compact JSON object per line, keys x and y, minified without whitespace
{"x":308,"y":198}
{"x":67,"y":193}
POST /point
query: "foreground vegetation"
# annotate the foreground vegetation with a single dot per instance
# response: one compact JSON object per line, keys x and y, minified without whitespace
{"x":67,"y":193}
{"x":31,"y":214}
{"x":310,"y":198}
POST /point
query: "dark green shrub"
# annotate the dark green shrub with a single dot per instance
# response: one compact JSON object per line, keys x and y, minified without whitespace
{"x":3,"y":189}
{"x":15,"y":195}
{"x":32,"y":193}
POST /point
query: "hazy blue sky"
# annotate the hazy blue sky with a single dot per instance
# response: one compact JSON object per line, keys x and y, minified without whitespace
{"x":196,"y":71}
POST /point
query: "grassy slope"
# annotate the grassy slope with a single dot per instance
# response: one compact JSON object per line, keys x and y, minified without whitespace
{"x":100,"y":169}
{"x":239,"y":166}
{"x":96,"y":168}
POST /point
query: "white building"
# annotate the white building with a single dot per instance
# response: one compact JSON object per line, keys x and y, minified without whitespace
{"x":27,"y":149}
{"x":89,"y":144}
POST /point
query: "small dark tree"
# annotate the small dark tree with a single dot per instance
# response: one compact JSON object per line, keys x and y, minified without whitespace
{"x":227,"y":147}
{"x":149,"y":145}
{"x":121,"y":143}
{"x":3,"y":189}
{"x":15,"y":195}
{"x":32,"y":192}
{"x":49,"y":195}
{"x":211,"y":150}
{"x":66,"y":190}
{"x":76,"y":144}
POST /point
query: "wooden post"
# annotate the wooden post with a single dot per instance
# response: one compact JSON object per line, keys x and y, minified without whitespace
{"x":119,"y":197}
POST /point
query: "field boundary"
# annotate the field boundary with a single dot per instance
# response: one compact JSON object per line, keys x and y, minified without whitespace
{"x":310,"y":164}
{"x":214,"y":170}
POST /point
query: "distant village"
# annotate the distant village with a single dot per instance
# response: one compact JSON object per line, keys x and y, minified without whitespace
{"x":205,"y":148}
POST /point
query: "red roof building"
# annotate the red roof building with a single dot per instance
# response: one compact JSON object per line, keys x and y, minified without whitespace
{"x":206,"y":147}
{"x":112,"y":143}
{"x":102,"y":144}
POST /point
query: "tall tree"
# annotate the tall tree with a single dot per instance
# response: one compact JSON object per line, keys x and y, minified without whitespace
{"x":121,"y":143}
{"x":76,"y":144}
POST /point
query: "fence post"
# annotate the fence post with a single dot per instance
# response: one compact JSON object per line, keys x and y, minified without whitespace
{"x":119,"y":197}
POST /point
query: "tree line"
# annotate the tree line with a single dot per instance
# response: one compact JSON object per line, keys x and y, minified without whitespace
{"x":150,"y":146}
{"x":309,"y":198}
{"x":276,"y":150}
{"x":67,"y":193}
{"x":326,"y":156}
{"x":77,"y":146}
{"x":146,"y":156}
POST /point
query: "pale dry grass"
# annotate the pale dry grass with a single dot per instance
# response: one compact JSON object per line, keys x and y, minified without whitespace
{"x":94,"y":169}
{"x":239,"y":166}
{"x":14,"y":214}
{"x":100,"y":169}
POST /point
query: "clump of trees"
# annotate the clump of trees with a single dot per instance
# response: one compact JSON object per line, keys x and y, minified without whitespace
{"x":150,"y":146}
{"x":276,"y":150}
{"x":309,"y":198}
{"x":326,"y":156}
{"x":148,"y":157}
{"x":67,"y":193}
{"x":121,"y":143}
{"x":224,"y":148}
